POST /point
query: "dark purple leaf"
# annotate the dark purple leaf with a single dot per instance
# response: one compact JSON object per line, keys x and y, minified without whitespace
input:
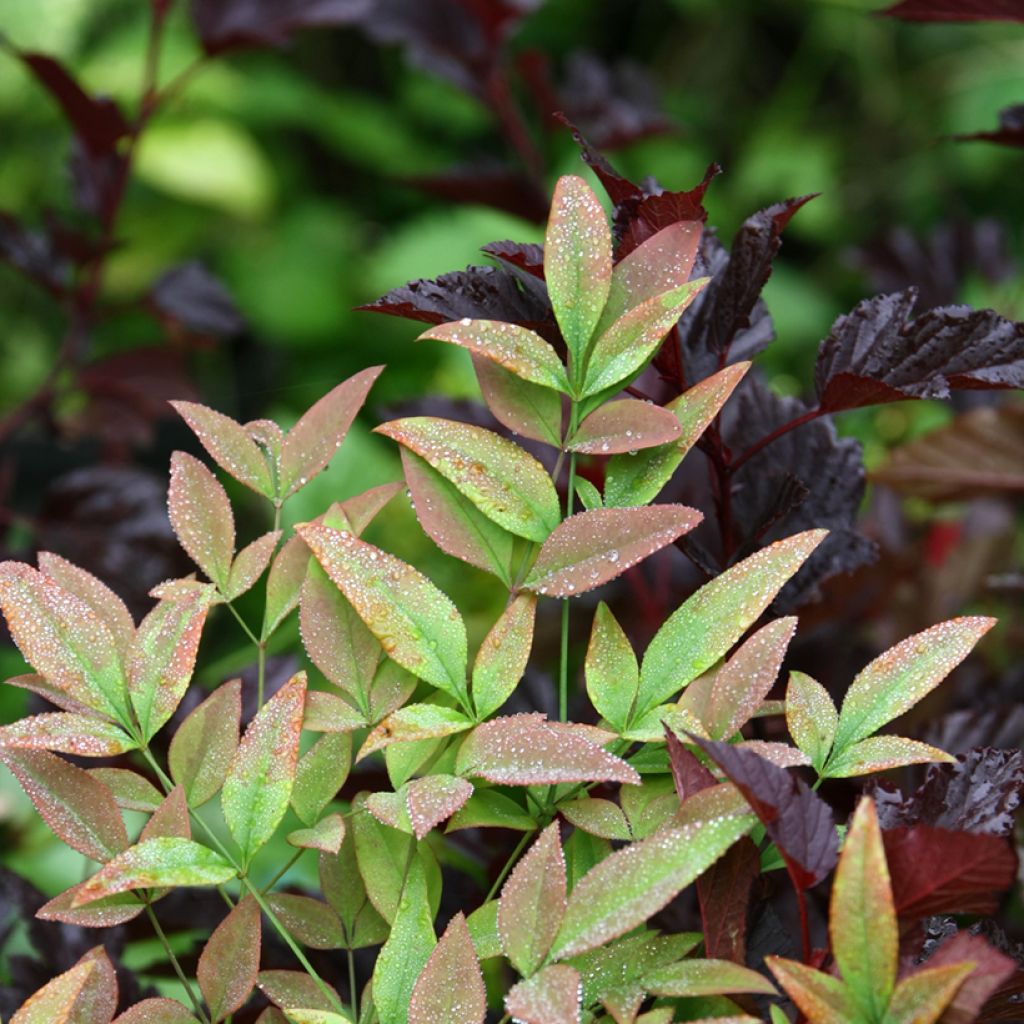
{"x":957,"y":10}
{"x":688,"y":774}
{"x":798,"y":821}
{"x":960,"y":731}
{"x":724,"y":894}
{"x":195,"y":298}
{"x":528,"y":256}
{"x":97,"y":179}
{"x":876,"y":353}
{"x":1011,"y":124}
{"x":488,"y":184}
{"x":34,"y":253}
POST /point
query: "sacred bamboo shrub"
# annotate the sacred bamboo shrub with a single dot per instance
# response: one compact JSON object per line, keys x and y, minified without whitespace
{"x":660,"y":789}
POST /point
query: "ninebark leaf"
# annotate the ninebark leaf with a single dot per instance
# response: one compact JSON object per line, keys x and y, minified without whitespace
{"x":611,"y":669}
{"x":450,"y":987}
{"x":262,"y":773}
{"x":67,"y":733}
{"x":626,"y":425}
{"x":724,"y":895}
{"x":503,"y":655}
{"x":552,"y":996}
{"x":811,"y":717}
{"x":525,"y":408}
{"x":201,"y":515}
{"x":230,"y":960}
{"x":202,"y":748}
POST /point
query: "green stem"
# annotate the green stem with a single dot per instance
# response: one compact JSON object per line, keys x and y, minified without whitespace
{"x":563,"y":667}
{"x":248,"y":632}
{"x":353,"y":991}
{"x":503,"y":874}
{"x":196,"y":1004}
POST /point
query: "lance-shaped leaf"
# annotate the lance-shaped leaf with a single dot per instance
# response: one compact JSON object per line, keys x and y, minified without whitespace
{"x":415,"y":722}
{"x":296,"y":988}
{"x":611,"y":669}
{"x":309,"y":445}
{"x":67,"y":733}
{"x":63,"y":639}
{"x":326,"y":835}
{"x":454,"y":523}
{"x":78,"y":808}
{"x":706,"y":978}
{"x":591,"y":548}
{"x":515,"y":348}
{"x":327,"y":712}
{"x":131,"y":791}
{"x":169,"y":819}
{"x":230,"y":960}
{"x":598,"y":817}
{"x":502,"y":657}
{"x":313,"y":922}
{"x":487,"y":808}
{"x":249,"y":565}
{"x":524,"y":750}
{"x":879,"y":753}
{"x":798,"y":821}
{"x":921,"y":997}
{"x":629,"y":342}
{"x":407,"y":950}
{"x":552,"y":996}
{"x":450,"y":986}
{"x":533,"y":902}
{"x":262,"y":772}
{"x":159,"y":863}
{"x":362,"y":509}
{"x":705,"y":626}
{"x":163,"y":656}
{"x":626,"y":888}
{"x":202,"y":748}
{"x":506,"y":484}
{"x":105,"y":913}
{"x":416,"y":624}
{"x":896,"y":680}
{"x":823,"y":998}
{"x":638,"y":479}
{"x":577,"y":264}
{"x":724,"y":894}
{"x":992,"y":970}
{"x":201,"y":516}
{"x":811,"y":717}
{"x":321,"y":772}
{"x":157,"y":1011}
{"x":230,"y":446}
{"x":287,"y":572}
{"x":528,"y":409}
{"x":626,"y":425}
{"x":862,"y":917}
{"x":57,"y":1001}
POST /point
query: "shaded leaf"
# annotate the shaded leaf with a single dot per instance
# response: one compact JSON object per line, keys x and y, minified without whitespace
{"x":551,"y":996}
{"x":57,"y":1001}
{"x":131,"y":791}
{"x":65,"y":733}
{"x":992,"y":970}
{"x":313,"y":922}
{"x":230,"y":960}
{"x":598,"y":817}
{"x":487,"y":808}
{"x":194,"y":297}
{"x":528,"y":409}
{"x":450,"y":986}
{"x":169,"y":819}
{"x":204,"y":744}
{"x":362,"y":509}
{"x":295,"y":988}
{"x":724,"y":894}
{"x":321,"y":772}
{"x":327,"y":712}
{"x":104,"y":913}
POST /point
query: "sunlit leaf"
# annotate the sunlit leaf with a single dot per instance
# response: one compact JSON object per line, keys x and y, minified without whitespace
{"x":626,"y":425}
{"x":230,"y":960}
{"x":67,"y":733}
{"x":204,"y":744}
{"x":503,"y":655}
{"x":202,"y":518}
{"x":450,"y":986}
{"x":811,"y":717}
{"x":878,"y":753}
{"x":611,"y":669}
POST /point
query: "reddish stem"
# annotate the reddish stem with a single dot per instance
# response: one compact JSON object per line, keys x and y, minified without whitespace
{"x":500,"y":97}
{"x":799,"y":421}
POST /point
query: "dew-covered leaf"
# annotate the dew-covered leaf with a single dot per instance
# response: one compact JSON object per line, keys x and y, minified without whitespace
{"x":450,"y":987}
{"x":262,"y":772}
{"x":156,"y":1011}
{"x":104,"y":913}
{"x":326,"y":835}
{"x":706,"y":978}
{"x":169,"y":819}
{"x":309,"y":445}
{"x":638,"y":479}
{"x":230,"y":960}
{"x":57,"y":1001}
{"x":597,"y":816}
{"x":67,"y":733}
{"x":611,"y":668}
{"x":132,"y":792}
{"x":327,"y":712}
{"x":295,"y":988}
{"x":78,"y":808}
{"x":156,"y":863}
{"x":506,"y":484}
{"x":488,"y":808}
{"x":525,"y":750}
{"x":201,"y":515}
{"x":415,"y":722}
{"x":501,"y":660}
{"x":362,"y":509}
{"x":230,"y":446}
{"x":204,"y":744}
{"x":879,"y":753}
{"x":551,"y":996}
{"x":434,"y":799}
{"x":591,"y":548}
{"x":284,"y":582}
{"x":921,"y":997}
{"x":250,"y":564}
{"x":313,"y":922}
{"x":577,"y":264}
{"x":320,"y":773}
{"x":528,"y":409}
{"x":416,"y":624}
{"x":705,"y":626}
{"x":823,"y":998}
{"x":811,"y":717}
{"x":626,"y":425}
{"x":635,"y":882}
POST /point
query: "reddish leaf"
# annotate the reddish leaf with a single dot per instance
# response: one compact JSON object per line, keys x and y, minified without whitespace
{"x":922,"y":996}
{"x":169,"y":819}
{"x":78,"y":808}
{"x":250,"y":564}
{"x":724,"y":894}
{"x":552,"y":996}
{"x":204,"y":744}
{"x":105,"y":913}
{"x":313,"y":922}
{"x":201,"y":516}
{"x":84,"y":735}
{"x":193,"y":297}
{"x":156,"y":1011}
{"x":688,"y":774}
{"x":450,"y":987}
{"x":326,"y":835}
{"x":434,"y":799}
{"x":45,"y":689}
{"x":956,"y":10}
{"x":131,"y":791}
{"x":525,"y":408}
{"x":363,"y":508}
{"x":992,"y":969}
{"x":230,"y":960}
{"x":590,"y":548}
{"x":626,"y":425}
{"x":295,"y":988}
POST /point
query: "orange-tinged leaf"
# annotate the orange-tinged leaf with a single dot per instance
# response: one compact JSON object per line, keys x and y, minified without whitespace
{"x":701,"y":977}
{"x":611,"y":669}
{"x":56,"y":1001}
{"x":591,"y":548}
{"x":250,"y":564}
{"x":284,"y":582}
{"x":822,"y":998}
{"x":811,"y":717}
{"x":309,"y":445}
{"x":503,"y":655}
{"x":262,"y":772}
{"x":532,"y":903}
{"x":450,"y":987}
{"x":230,"y":960}
{"x":157,"y":1011}
{"x":78,"y":808}
{"x":878,"y":753}
{"x":626,"y":425}
{"x":202,"y":748}
{"x":44,"y":688}
{"x":169,"y":819}
{"x":104,"y":913}
{"x":67,"y":733}
{"x":551,"y":996}
{"x":201,"y":516}
{"x":415,"y":722}
{"x":922,"y":997}
{"x":525,"y":408}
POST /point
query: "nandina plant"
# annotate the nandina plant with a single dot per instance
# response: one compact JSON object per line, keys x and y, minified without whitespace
{"x":658,"y":791}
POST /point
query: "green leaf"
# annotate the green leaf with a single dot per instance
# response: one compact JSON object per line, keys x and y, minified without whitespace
{"x":922,"y":997}
{"x":626,"y":425}
{"x":131,"y":791}
{"x":287,"y":572}
{"x":489,"y":808}
{"x":450,"y":987}
{"x":862,"y":917}
{"x":612,"y":673}
{"x":706,"y":978}
{"x":597,"y":816}
{"x":705,"y":626}
{"x":202,"y":518}
{"x":879,"y":753}
{"x":156,"y":864}
{"x":577,"y":265}
{"x":313,"y":922}
{"x":381,"y":853}
{"x":518,"y":350}
{"x":415,"y":722}
{"x":157,"y":1011}
{"x":506,"y":484}
{"x":822,"y":998}
{"x":57,"y":1001}
{"x":326,"y":835}
{"x":321,"y":772}
{"x":67,"y":733}
{"x":262,"y":773}
{"x":525,"y":408}
{"x":896,"y":680}
{"x":327,"y":712}
{"x":811,"y":717}
{"x":552,"y":996}
{"x":635,"y":882}
{"x":230,"y":960}
{"x":416,"y":624}
{"x":295,"y":988}
{"x":638,"y":479}
{"x":483,"y":930}
{"x":249,"y":565}
{"x":589,"y":495}
{"x":202,"y":748}
{"x":302,"y":1016}
{"x":503,"y":655}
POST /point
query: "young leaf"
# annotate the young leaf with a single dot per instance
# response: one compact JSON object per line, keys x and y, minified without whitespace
{"x":154,"y":864}
{"x":705,"y":626}
{"x":78,"y":808}
{"x":502,"y":657}
{"x":590,"y":548}
{"x":202,"y":748}
{"x":250,"y":564}
{"x":202,"y":518}
{"x":533,"y":902}
{"x":611,"y":669}
{"x":321,"y":772}
{"x":921,"y":997}
{"x":577,"y":265}
{"x":262,"y":772}
{"x":67,"y":733}
{"x":287,"y":572}
{"x":589,"y":495}
{"x":811,"y":717}
{"x":230,"y":446}
{"x":169,"y":819}
{"x":309,"y":445}
{"x":706,"y":977}
{"x":899,"y":678}
{"x":878,"y":753}
{"x":326,"y":835}
{"x":626,"y":425}
{"x":450,"y":987}
{"x":157,"y":1011}
{"x":518,"y":350}
{"x":416,"y":624}
{"x":527,"y":409}
{"x":57,"y":1001}
{"x":823,"y":998}
{"x":552,"y":996}
{"x":415,"y":722}
{"x":506,"y":484}
{"x":230,"y":960}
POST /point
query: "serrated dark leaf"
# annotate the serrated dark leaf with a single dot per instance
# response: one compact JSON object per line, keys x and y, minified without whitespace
{"x":190,"y":294}
{"x":688,"y":774}
{"x":957,"y":10}
{"x":960,"y":731}
{"x":527,"y":256}
{"x":1011,"y":122}
{"x":724,"y":894}
{"x":34,"y":253}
